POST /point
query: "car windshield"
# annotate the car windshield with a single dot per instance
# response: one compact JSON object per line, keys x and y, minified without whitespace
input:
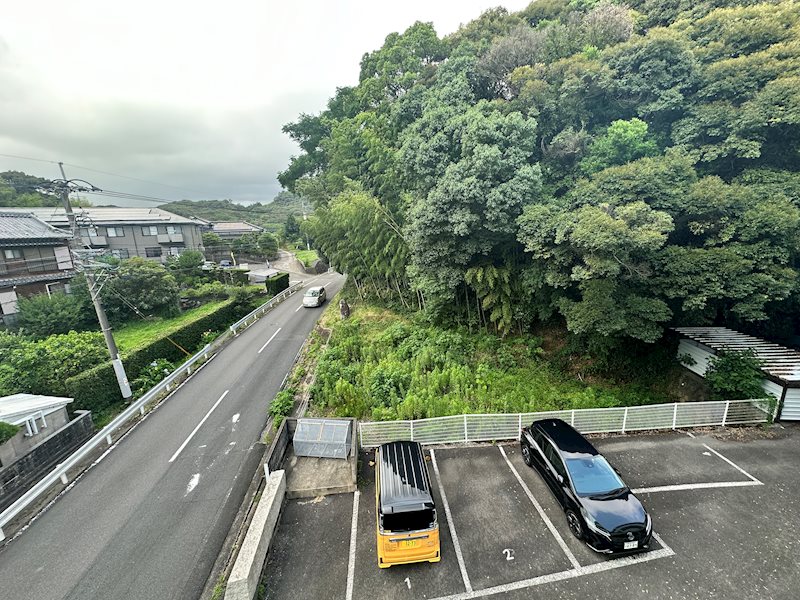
{"x":312,"y":293}
{"x":593,"y":476}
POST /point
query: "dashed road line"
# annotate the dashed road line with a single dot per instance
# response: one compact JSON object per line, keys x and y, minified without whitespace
{"x":199,"y":425}
{"x":268,"y":341}
{"x":448,"y":514}
{"x":351,"y":563}
{"x":573,"y":561}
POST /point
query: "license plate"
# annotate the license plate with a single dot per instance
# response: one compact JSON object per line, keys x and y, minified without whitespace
{"x":409,"y":543}
{"x":631,"y":545}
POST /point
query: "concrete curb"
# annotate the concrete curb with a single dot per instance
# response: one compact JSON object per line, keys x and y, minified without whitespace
{"x":243,"y":581}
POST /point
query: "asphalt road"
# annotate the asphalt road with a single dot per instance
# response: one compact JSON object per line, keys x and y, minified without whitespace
{"x":149,"y":520}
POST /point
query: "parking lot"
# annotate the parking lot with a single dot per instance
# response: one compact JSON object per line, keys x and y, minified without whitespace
{"x":725,"y":513}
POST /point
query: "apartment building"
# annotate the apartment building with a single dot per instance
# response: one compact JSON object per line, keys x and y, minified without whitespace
{"x":34,"y":259}
{"x":126,"y":232}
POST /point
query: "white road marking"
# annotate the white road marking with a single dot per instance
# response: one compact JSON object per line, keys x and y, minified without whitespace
{"x":351,"y":563}
{"x":235,"y":418}
{"x":607,"y":565}
{"x":192,"y":484}
{"x":453,"y":534}
{"x":731,"y":463}
{"x":200,"y":424}
{"x":573,"y":561}
{"x":695,"y":486}
{"x":298,"y":308}
{"x":269,"y":340}
{"x":689,"y":433}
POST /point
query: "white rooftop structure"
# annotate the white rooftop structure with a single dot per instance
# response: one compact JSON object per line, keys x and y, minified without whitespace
{"x":779,"y":362}
{"x":18,"y":408}
{"x":106,"y":216}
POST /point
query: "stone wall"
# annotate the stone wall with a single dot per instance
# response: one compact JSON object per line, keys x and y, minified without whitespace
{"x":19,"y":476}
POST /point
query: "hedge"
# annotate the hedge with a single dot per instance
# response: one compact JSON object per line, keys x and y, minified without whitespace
{"x":277,"y":283}
{"x":97,"y":388}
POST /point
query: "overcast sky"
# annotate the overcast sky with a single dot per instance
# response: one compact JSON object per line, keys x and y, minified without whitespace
{"x":191,"y":94}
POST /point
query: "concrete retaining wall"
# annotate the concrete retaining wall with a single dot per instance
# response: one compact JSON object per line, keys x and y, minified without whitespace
{"x":17,"y":477}
{"x":243,"y":580}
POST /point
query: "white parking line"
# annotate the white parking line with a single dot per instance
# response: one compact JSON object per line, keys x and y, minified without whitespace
{"x":351,"y":563}
{"x":731,"y":463}
{"x":269,"y":340}
{"x":200,"y":424}
{"x":607,"y":565}
{"x":542,"y":514}
{"x":456,"y":545}
{"x":695,"y":486}
{"x":298,"y":308}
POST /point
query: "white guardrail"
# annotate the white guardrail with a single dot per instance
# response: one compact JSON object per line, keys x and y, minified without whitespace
{"x":137,"y":408}
{"x":488,"y":428}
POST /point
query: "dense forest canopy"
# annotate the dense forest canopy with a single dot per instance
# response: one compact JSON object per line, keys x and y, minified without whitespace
{"x":623,"y":167}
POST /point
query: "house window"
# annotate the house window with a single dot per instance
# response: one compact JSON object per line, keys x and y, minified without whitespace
{"x":150,"y":230}
{"x":176,"y":250}
{"x":88,"y":231}
{"x":12,"y":253}
{"x":121,"y":253}
{"x":152,"y":252}
{"x":172,"y":229}
{"x":115,"y":232}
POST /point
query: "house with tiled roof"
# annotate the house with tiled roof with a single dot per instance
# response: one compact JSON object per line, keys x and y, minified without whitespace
{"x":124,"y":232}
{"x":34,"y":259}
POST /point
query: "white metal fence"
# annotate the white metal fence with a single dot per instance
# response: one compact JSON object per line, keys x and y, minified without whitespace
{"x":137,"y":408}
{"x":487,"y":428}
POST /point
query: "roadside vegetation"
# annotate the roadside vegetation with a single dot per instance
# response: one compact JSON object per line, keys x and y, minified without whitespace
{"x":307,"y":257}
{"x":383,"y":365}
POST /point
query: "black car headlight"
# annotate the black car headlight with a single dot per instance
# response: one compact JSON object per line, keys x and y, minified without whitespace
{"x":595,"y":526}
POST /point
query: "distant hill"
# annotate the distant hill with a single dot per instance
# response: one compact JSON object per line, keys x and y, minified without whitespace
{"x":271,"y":216}
{"x":20,"y":189}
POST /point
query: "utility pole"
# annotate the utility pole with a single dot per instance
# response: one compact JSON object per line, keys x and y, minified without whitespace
{"x":94,"y":293}
{"x":308,"y":245}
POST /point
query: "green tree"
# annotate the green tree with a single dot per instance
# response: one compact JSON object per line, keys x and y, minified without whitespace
{"x":623,"y":142}
{"x":291,"y":229}
{"x":268,"y":244}
{"x":140,"y":286}
{"x":44,"y":315}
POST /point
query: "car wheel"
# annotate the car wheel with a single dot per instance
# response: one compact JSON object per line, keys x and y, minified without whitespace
{"x":575,"y":525}
{"x":526,"y":454}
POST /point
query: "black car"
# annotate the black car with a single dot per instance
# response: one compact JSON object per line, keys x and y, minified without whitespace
{"x":601,"y":510}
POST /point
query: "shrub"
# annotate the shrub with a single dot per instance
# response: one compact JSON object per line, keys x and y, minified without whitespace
{"x":281,"y":405}
{"x":44,"y":315}
{"x":42,"y":366}
{"x":277,"y":283}
{"x":151,"y":375}
{"x":735,"y":376}
{"x":7,"y":431}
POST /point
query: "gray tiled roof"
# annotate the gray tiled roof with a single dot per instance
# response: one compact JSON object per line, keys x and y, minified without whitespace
{"x":107,"y":216}
{"x":24,"y":226}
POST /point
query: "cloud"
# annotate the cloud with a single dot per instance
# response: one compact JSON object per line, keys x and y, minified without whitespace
{"x":185,"y":93}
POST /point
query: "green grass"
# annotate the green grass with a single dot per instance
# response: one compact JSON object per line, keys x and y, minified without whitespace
{"x":140,"y":333}
{"x":307,"y":257}
{"x":382,"y":366}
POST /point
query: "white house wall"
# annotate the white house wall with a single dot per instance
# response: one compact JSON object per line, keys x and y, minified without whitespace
{"x":700,"y":357}
{"x":791,"y":405}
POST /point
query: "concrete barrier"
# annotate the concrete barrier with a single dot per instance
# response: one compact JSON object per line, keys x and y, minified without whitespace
{"x":243,"y":580}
